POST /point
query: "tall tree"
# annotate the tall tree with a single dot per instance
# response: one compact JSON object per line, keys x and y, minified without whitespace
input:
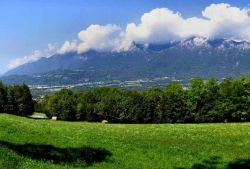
{"x":3,"y":97}
{"x":177,"y":110}
{"x":24,"y":100}
{"x":63,"y":105}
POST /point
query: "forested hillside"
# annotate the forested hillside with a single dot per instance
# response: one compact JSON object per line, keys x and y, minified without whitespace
{"x":181,"y":60}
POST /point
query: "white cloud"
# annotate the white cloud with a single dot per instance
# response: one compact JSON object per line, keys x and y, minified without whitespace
{"x":36,"y":55}
{"x":100,"y":38}
{"x":68,"y":47}
{"x":227,"y":22}
{"x":157,"y":26}
{"x":223,"y":11}
{"x":218,"y":21}
{"x":162,"y":25}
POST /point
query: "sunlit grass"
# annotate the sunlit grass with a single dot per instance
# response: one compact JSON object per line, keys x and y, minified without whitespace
{"x":131,"y":146}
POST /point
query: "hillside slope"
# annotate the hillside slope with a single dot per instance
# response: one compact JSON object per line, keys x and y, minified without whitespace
{"x":181,"y":60}
{"x":120,"y":146}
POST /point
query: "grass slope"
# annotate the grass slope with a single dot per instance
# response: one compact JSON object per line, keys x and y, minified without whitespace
{"x":118,"y":146}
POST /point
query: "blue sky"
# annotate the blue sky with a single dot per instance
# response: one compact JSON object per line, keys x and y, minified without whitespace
{"x":27,"y":25}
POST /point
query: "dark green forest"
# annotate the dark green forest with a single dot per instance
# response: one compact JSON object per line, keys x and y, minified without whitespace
{"x":16,"y":100}
{"x":202,"y":101}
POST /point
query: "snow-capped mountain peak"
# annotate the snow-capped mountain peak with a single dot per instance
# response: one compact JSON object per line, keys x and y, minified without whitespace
{"x":194,"y":42}
{"x":214,"y":43}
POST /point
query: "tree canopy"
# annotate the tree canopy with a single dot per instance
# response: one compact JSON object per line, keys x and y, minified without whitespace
{"x":16,"y":100}
{"x":202,"y":101}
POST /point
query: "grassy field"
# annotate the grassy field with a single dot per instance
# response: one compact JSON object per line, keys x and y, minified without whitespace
{"x":43,"y":144}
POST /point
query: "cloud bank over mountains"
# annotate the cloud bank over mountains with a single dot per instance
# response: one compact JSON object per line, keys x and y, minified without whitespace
{"x":36,"y":55}
{"x":158,"y":26}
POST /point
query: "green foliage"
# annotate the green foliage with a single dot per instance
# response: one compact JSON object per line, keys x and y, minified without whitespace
{"x":24,"y":100}
{"x":176,"y":104}
{"x":3,"y":97}
{"x":39,"y":105}
{"x":16,"y":100}
{"x":63,"y":105}
{"x":202,"y":101}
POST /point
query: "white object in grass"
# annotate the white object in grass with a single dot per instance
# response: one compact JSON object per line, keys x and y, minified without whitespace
{"x":54,"y":118}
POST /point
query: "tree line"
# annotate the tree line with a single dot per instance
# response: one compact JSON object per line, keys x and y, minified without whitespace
{"x":16,"y":100}
{"x":202,"y":101}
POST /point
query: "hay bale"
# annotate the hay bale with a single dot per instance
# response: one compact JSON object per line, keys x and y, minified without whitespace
{"x":54,"y":118}
{"x":105,"y":122}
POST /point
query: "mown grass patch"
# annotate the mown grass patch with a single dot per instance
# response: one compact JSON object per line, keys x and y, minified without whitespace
{"x":45,"y":144}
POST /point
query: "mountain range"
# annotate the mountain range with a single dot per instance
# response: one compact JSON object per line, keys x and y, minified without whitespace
{"x":184,"y":59}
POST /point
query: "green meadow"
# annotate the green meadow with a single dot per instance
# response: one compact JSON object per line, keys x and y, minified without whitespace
{"x":27,"y":143}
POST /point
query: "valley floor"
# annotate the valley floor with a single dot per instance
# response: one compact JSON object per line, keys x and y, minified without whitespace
{"x":44,"y":144}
